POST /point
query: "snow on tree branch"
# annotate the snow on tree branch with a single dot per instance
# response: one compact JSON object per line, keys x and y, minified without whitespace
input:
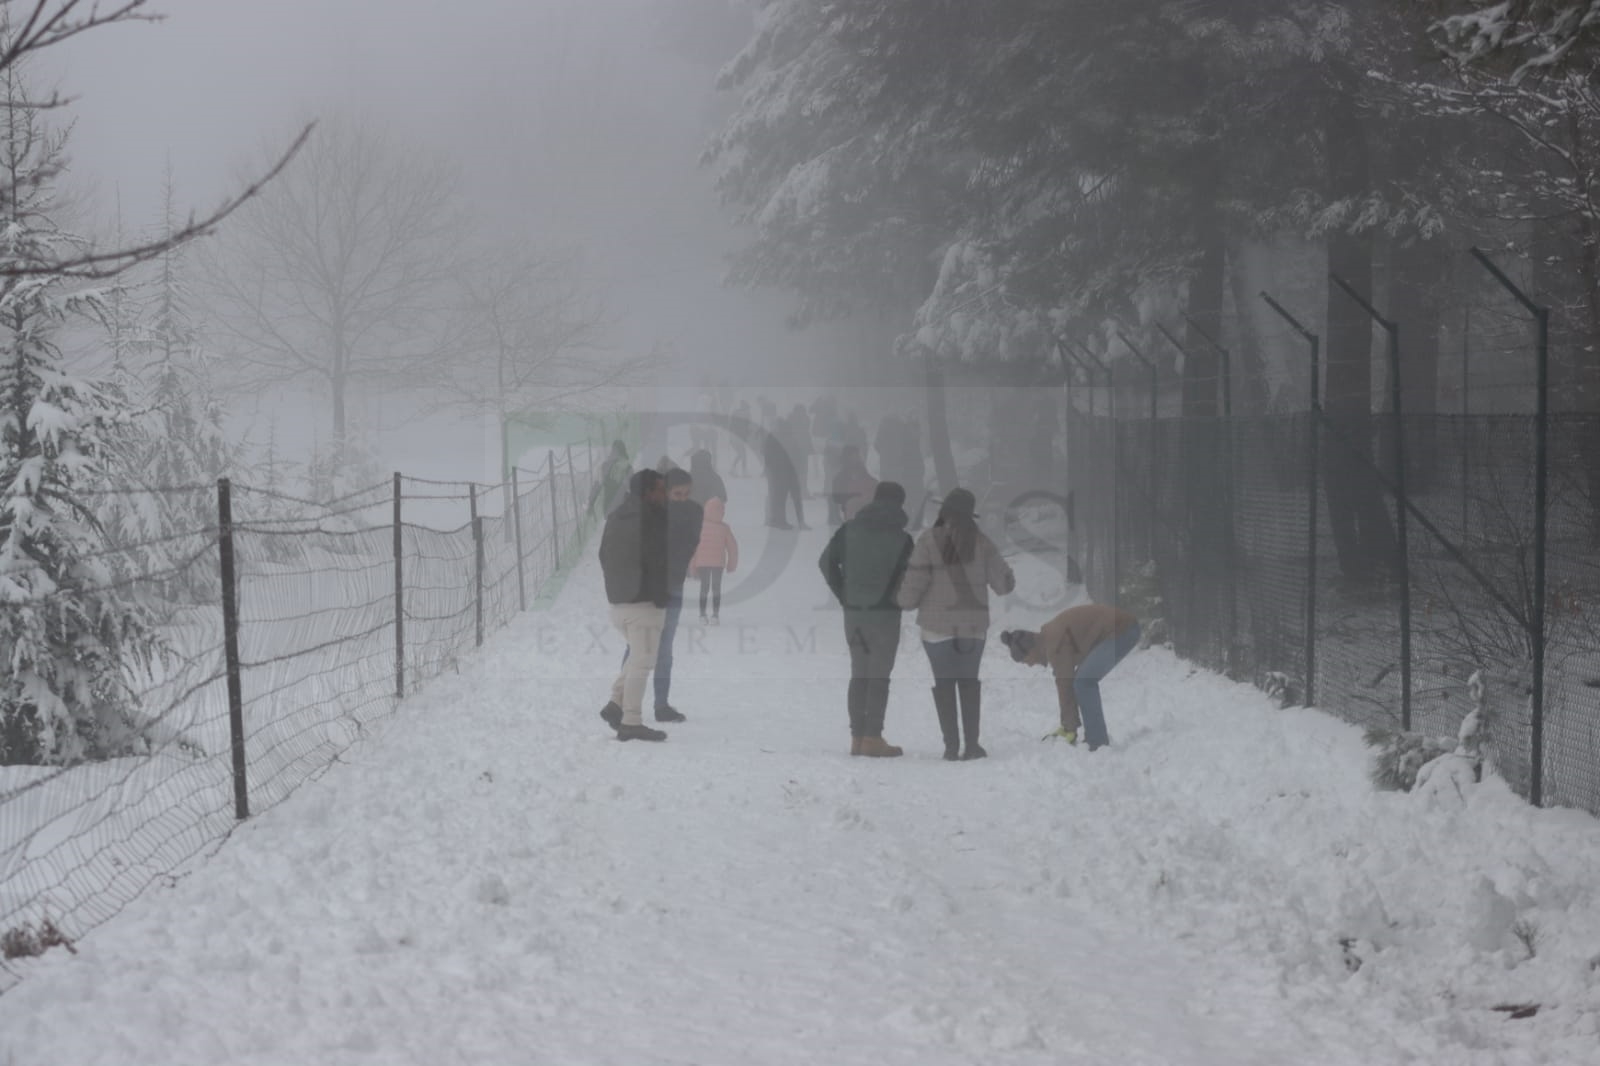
{"x":1540,"y":35}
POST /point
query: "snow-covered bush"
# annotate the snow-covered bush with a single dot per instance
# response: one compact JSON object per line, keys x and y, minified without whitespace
{"x":1405,"y":762}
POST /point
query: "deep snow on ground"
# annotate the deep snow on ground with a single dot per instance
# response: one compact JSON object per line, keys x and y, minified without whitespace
{"x":490,"y":878}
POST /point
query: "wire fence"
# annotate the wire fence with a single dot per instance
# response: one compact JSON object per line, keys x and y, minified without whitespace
{"x":325,"y":615}
{"x":1260,"y":535}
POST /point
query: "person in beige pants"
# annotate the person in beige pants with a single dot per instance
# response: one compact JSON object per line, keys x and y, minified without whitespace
{"x":633,"y":559}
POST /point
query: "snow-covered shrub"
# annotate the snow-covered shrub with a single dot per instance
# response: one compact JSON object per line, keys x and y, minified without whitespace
{"x":1449,"y":776}
{"x":1405,"y":762}
{"x":1397,"y":756}
{"x":28,"y":940}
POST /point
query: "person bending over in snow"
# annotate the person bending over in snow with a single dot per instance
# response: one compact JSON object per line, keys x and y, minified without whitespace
{"x":1081,"y":645}
{"x":863,"y":565}
{"x":633,"y":559}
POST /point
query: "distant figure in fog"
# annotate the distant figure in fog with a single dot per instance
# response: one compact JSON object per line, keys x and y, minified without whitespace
{"x":783,"y":484}
{"x":899,"y":446}
{"x":741,"y":446}
{"x":797,"y":439}
{"x":708,"y":484}
{"x":717,"y":554}
{"x":853,"y":485}
{"x":607,"y":491}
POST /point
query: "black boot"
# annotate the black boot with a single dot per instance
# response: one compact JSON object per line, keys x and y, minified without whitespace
{"x":944,"y":701}
{"x":971,"y":690}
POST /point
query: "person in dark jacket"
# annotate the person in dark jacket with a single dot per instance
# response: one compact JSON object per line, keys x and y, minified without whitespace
{"x":708,"y":484}
{"x":633,"y":560}
{"x":684,"y":521}
{"x":607,"y":492}
{"x":853,"y":485}
{"x":863,"y":565}
{"x":783,"y":483}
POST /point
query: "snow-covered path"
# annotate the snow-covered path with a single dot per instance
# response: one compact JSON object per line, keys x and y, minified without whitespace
{"x":492,"y":879}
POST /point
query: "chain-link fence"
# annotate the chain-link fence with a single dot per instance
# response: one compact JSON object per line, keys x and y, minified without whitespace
{"x":1278,"y":564}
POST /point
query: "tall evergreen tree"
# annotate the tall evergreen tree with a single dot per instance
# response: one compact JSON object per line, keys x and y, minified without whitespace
{"x":69,"y":640}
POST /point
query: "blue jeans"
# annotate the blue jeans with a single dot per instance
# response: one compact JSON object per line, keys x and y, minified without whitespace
{"x":954,"y":660}
{"x":669,"y":629}
{"x":1086,"y":685}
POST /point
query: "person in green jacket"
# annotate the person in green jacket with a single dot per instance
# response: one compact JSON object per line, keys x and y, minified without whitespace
{"x":863,"y":564}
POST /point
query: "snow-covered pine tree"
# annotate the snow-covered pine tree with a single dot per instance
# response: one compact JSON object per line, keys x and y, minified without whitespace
{"x":178,"y":447}
{"x":70,"y":642}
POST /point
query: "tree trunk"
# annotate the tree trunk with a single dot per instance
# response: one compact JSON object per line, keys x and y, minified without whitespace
{"x":1419,"y":270}
{"x":1251,"y":382}
{"x":944,"y":460}
{"x":1362,"y":533}
{"x":1201,"y":366}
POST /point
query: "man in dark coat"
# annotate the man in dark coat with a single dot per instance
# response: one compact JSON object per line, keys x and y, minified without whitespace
{"x":684,"y":521}
{"x":607,"y":492}
{"x":783,"y":481}
{"x":863,"y":565}
{"x":633,"y":559}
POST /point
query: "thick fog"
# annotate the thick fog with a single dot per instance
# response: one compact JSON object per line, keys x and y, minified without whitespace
{"x":574,"y":125}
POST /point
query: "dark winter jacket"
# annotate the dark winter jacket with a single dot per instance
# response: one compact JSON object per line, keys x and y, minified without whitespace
{"x":780,"y":464}
{"x":708,"y":484}
{"x":684,"y":521}
{"x":866,"y":558}
{"x":633,"y":552}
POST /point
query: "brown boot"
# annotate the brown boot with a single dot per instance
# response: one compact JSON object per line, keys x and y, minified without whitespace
{"x":855,"y":745}
{"x":876,"y":748}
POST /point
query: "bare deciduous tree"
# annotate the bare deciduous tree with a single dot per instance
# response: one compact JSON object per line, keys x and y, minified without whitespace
{"x":35,"y":26}
{"x":532,"y":338}
{"x":340,"y":274}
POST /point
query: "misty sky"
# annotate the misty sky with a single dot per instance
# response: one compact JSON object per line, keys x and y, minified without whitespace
{"x":572,"y":122}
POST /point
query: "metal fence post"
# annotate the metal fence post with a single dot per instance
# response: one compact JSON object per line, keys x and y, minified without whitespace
{"x":230,"y":645}
{"x":572,"y":481}
{"x":1466,"y":409}
{"x":399,"y":599}
{"x":1401,"y":524}
{"x":477,"y":561}
{"x":516,"y":529}
{"x":1313,"y":479}
{"x":1150,"y":489}
{"x":1541,"y":483}
{"x":1115,"y":591}
{"x":555,"y":514}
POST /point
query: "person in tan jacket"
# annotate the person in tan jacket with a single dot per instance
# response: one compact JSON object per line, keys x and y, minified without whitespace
{"x":1080,"y":645}
{"x":953,"y":568}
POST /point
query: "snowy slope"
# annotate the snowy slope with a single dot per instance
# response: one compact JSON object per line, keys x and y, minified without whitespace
{"x":491,"y":879}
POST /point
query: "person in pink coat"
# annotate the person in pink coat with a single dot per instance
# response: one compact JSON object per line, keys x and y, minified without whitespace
{"x":718,"y":553}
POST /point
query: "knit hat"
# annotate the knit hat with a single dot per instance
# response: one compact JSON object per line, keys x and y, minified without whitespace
{"x":1020,"y":641}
